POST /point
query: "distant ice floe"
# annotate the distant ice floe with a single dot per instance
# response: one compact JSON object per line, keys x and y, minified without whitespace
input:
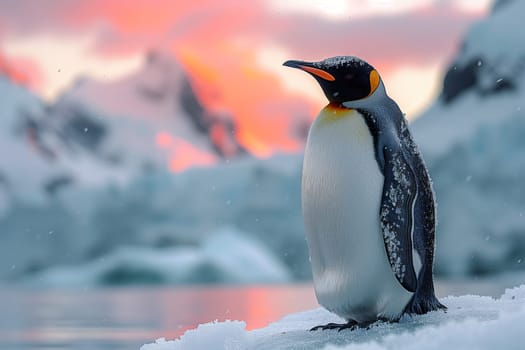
{"x":471,"y":322}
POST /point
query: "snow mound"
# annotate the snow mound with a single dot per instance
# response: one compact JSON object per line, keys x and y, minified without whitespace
{"x":225,"y":257}
{"x":471,"y":322}
{"x":213,"y":335}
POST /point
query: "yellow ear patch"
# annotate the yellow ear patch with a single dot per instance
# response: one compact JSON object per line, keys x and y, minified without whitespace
{"x":374,"y":81}
{"x":318,"y":72}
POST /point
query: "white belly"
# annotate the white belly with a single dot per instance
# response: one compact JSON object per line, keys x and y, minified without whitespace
{"x":341,"y":195}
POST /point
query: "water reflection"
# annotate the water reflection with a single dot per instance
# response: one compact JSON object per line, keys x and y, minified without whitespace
{"x":126,"y":318}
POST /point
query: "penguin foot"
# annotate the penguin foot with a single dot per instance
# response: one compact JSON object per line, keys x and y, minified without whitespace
{"x":339,"y":326}
{"x":351,"y":325}
{"x":421,"y":305}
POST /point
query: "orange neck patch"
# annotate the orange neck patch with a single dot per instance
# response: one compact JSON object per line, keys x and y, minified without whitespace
{"x":337,"y":107}
{"x":335,"y":111}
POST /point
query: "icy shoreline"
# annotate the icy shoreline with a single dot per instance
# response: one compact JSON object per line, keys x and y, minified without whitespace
{"x":471,"y":322}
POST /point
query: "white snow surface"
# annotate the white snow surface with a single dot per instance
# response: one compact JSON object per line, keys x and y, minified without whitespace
{"x":471,"y":322}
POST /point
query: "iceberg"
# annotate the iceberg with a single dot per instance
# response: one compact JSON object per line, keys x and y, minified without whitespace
{"x":227,"y":256}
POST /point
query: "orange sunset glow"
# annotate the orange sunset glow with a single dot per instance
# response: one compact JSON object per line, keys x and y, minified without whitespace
{"x":252,"y":96}
{"x":233,"y":51}
{"x":21,"y":71}
{"x":182,"y":154}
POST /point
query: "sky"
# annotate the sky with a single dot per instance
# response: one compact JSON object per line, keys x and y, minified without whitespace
{"x":233,"y":50}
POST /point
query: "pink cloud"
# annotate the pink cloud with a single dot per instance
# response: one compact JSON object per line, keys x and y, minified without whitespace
{"x":406,"y":39}
{"x":419,"y":35}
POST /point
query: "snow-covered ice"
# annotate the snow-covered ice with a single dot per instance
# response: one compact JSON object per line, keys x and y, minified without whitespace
{"x":226,"y":257}
{"x":471,"y":322}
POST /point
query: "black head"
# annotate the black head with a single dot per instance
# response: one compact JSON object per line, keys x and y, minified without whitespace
{"x":342,"y":78}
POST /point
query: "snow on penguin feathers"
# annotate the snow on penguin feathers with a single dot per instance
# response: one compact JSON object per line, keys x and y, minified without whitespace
{"x":367,"y":201}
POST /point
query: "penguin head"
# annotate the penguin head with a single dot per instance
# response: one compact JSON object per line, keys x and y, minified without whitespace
{"x":342,"y":78}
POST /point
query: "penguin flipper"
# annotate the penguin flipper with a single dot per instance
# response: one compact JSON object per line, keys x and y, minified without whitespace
{"x":396,"y":215}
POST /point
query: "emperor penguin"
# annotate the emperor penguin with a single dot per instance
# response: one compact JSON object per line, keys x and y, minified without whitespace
{"x":367,"y":201}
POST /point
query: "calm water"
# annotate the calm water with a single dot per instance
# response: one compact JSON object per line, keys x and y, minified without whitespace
{"x":126,"y":318}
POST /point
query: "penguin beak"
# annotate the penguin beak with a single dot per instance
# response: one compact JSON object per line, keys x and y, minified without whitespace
{"x":310,"y":68}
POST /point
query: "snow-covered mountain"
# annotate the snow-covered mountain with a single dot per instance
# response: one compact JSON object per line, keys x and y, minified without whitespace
{"x":152,"y":118}
{"x":37,"y":162}
{"x":13,"y":146}
{"x":37,"y":159}
{"x":473,"y":139}
{"x":100,"y":132}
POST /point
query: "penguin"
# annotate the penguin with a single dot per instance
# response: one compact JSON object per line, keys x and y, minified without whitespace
{"x":367,"y":201}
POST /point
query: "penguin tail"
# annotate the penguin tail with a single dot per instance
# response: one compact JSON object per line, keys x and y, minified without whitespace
{"x":421,"y":304}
